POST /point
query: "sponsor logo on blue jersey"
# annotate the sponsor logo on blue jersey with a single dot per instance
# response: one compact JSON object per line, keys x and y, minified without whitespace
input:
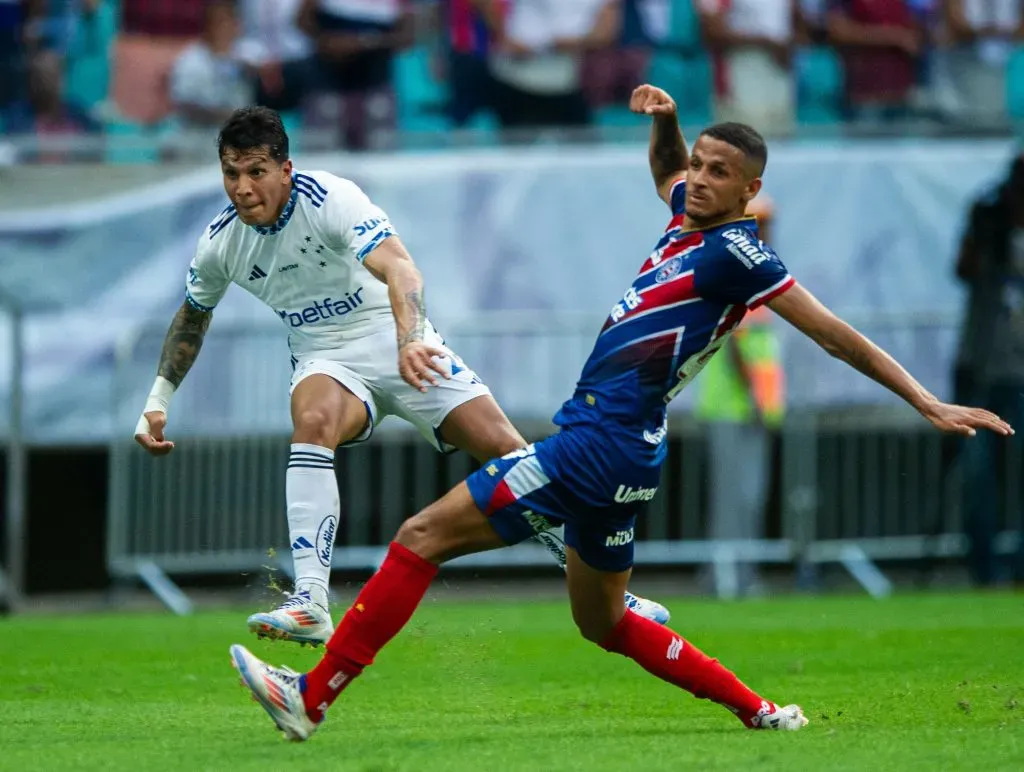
{"x":746,"y":250}
{"x":628,"y":494}
{"x":629,"y":301}
{"x":619,"y":539}
{"x":322,"y":310}
{"x":658,"y":435}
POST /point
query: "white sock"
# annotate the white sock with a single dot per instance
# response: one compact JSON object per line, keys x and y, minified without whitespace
{"x":311,"y":490}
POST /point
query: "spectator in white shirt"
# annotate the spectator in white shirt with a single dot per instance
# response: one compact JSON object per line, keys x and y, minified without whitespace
{"x":983,"y":34}
{"x":279,"y":53}
{"x":208,"y":81}
{"x":537,"y":68}
{"x":752,"y":41}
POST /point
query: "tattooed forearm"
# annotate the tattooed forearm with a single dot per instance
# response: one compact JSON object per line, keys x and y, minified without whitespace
{"x":416,"y":310}
{"x":391,"y":264}
{"x":183,"y":341}
{"x":667,"y":153}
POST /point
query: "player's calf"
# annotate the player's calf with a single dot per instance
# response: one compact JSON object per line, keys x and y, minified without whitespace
{"x":666,"y":654}
{"x":597,"y":610}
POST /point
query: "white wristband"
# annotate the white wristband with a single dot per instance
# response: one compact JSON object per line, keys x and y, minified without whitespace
{"x":157,"y":402}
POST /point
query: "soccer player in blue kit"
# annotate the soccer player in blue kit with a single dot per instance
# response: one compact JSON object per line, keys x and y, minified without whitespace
{"x":596,"y":474}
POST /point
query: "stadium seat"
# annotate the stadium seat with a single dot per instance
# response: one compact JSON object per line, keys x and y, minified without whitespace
{"x":688,"y":79}
{"x":1015,"y":85}
{"x":819,"y":73}
{"x":421,"y":99}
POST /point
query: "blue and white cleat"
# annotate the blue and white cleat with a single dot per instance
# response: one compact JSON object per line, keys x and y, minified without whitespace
{"x":277,"y":690}
{"x":299,"y":619}
{"x":647,"y":609}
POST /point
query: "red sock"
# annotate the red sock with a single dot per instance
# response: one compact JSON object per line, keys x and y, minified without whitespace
{"x":663,"y":653}
{"x":382,"y":608}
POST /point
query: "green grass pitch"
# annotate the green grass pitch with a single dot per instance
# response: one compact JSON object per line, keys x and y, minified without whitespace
{"x":929,"y":682}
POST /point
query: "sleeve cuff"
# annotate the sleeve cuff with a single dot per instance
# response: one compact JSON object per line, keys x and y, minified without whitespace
{"x":196,"y":304}
{"x":373,"y":244}
{"x":771,"y":293}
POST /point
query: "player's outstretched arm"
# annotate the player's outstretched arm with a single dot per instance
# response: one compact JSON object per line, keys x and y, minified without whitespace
{"x":181,"y":347}
{"x":801,"y":309}
{"x":667,"y":154}
{"x":417,"y":361}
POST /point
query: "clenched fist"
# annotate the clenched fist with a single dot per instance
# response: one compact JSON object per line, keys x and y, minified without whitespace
{"x":651,"y":100}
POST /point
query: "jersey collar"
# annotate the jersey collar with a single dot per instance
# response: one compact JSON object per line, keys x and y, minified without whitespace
{"x":286,"y":215}
{"x":749,"y":222}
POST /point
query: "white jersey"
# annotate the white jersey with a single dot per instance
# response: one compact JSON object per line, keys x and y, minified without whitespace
{"x":308,"y":266}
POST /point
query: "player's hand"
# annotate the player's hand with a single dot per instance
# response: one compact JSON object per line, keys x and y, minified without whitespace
{"x":957,"y":419}
{"x":418,"y":362}
{"x":154,"y":441}
{"x":651,"y":100}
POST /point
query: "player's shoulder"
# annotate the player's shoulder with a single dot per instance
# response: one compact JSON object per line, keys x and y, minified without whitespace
{"x":319,"y":187}
{"x":322,"y":184}
{"x":740,"y":241}
{"x":220,"y":227}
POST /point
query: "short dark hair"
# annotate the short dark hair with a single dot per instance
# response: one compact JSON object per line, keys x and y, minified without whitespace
{"x":254,"y":127}
{"x":744,"y":138}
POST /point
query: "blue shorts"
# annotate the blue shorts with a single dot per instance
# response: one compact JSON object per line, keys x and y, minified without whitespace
{"x":568,"y":479}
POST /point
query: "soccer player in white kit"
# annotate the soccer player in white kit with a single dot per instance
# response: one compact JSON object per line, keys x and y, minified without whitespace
{"x":316,"y":250}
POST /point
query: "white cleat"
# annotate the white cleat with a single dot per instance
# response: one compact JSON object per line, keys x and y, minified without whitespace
{"x":647,"y":609}
{"x":790,"y":718}
{"x":299,"y":619}
{"x":277,"y":690}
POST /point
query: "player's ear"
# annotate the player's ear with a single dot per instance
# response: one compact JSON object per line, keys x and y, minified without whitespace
{"x":753,"y":188}
{"x":286,"y":169}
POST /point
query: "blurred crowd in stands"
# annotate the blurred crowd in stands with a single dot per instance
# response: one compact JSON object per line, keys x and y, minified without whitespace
{"x":358,"y":70}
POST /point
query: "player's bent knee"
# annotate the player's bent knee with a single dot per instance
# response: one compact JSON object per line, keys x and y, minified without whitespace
{"x":422,"y":536}
{"x":316,"y":426}
{"x":414,"y":534}
{"x":448,"y":528}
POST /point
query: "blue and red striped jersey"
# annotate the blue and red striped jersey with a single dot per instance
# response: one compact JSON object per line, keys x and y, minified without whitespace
{"x":688,"y":296}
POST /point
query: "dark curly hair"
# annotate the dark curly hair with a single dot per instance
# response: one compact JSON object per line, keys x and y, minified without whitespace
{"x":254,"y":127}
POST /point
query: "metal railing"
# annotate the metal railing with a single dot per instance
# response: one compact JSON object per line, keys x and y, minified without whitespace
{"x":12,"y":569}
{"x":860,"y":483}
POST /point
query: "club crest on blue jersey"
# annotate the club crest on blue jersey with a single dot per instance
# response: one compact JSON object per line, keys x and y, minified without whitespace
{"x":669,"y":271}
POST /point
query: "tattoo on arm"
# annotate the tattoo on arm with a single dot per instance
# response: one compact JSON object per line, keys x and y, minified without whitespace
{"x":183,"y":341}
{"x":668,"y":149}
{"x":417,"y":309}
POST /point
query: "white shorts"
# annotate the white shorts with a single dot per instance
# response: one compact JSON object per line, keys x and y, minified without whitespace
{"x":368,"y":367}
